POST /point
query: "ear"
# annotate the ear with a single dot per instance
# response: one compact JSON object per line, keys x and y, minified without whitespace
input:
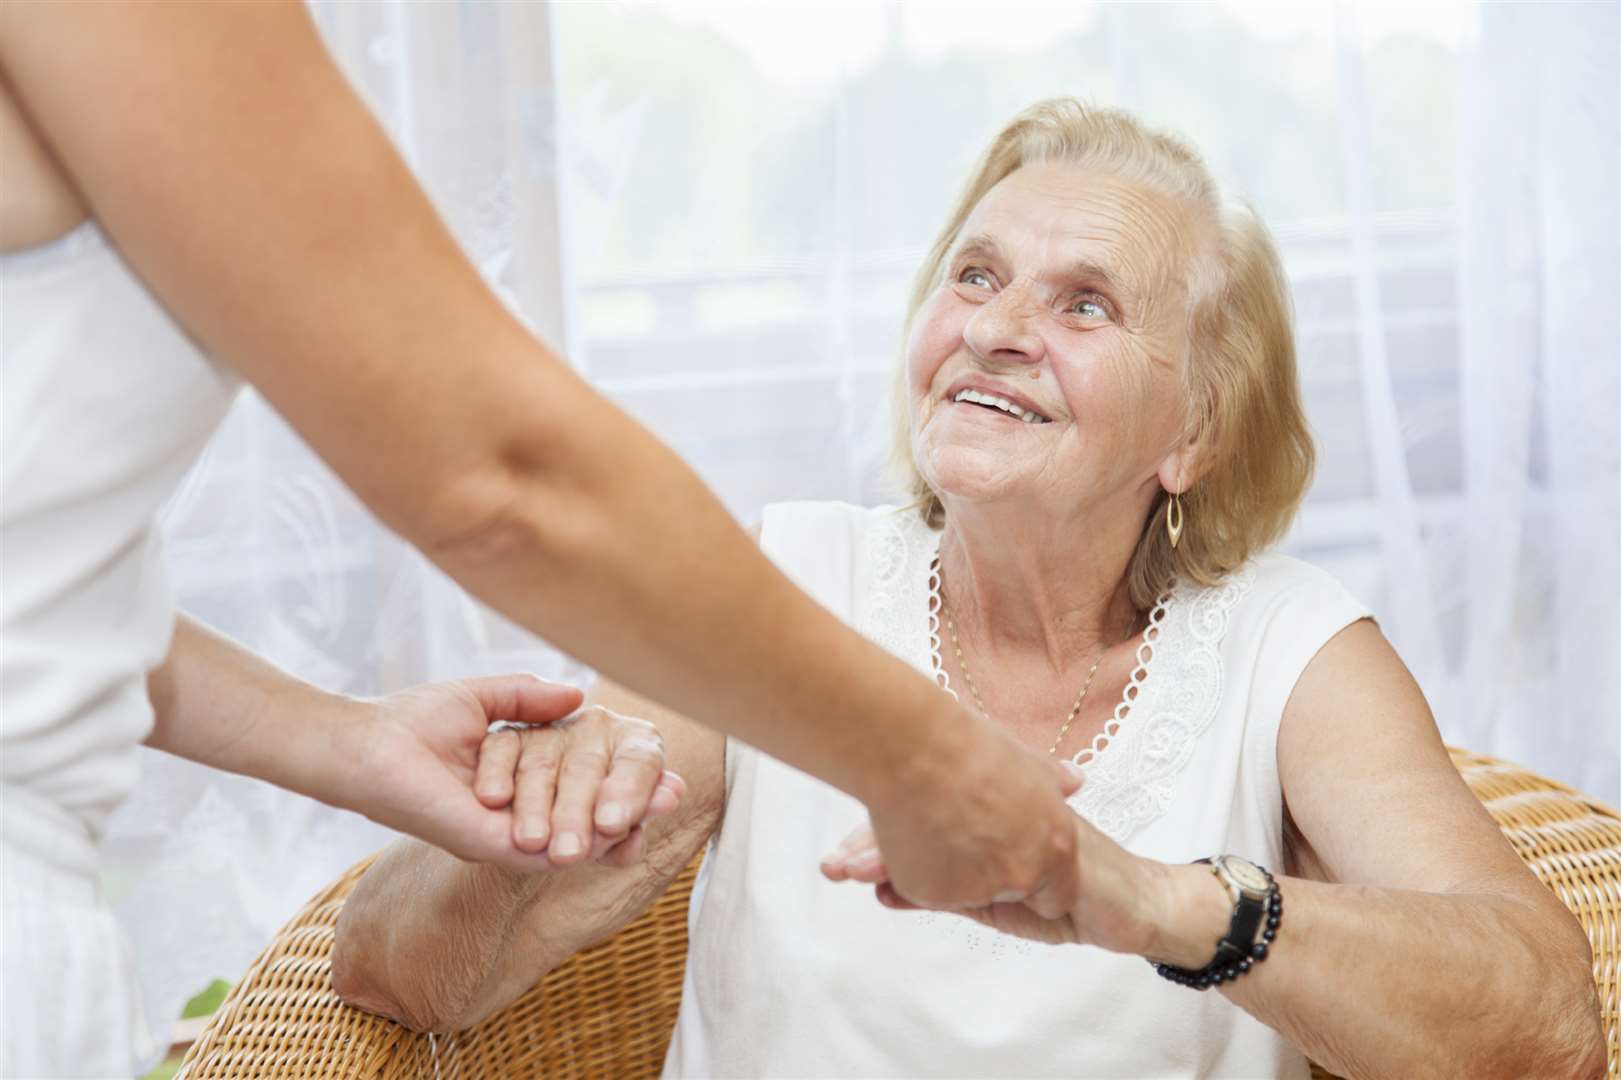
{"x":1180,"y":468}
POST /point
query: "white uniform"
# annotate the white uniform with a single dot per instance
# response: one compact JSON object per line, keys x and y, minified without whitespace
{"x":106,"y":404}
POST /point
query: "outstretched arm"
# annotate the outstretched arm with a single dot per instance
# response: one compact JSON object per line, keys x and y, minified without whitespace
{"x":243,"y":179}
{"x":1413,"y":942}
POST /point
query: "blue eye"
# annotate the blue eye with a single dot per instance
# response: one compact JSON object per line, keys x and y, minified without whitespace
{"x":967,"y":277}
{"x":1090,"y":309}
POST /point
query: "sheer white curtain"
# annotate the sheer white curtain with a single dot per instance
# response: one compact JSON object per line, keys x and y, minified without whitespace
{"x":267,"y":545}
{"x":716,"y":208}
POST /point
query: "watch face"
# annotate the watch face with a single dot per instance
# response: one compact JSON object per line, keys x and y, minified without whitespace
{"x":1246,"y":875}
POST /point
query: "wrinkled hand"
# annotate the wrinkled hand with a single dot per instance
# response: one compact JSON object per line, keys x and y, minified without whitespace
{"x":415,"y":757}
{"x":580,"y":788}
{"x":1111,"y":907}
{"x":979,"y":821}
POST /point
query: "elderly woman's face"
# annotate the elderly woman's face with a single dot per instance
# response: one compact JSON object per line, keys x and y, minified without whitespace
{"x":1063,"y":297}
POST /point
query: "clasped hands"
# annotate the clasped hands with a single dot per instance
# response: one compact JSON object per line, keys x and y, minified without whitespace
{"x":559,"y":784}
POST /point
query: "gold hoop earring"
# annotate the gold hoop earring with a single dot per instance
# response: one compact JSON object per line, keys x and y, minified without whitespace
{"x":1173,"y":519}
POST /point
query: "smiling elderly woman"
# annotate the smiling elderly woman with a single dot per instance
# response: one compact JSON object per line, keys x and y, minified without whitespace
{"x":1099,"y":413}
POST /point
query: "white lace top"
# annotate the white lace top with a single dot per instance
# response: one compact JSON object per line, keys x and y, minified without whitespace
{"x":789,"y":975}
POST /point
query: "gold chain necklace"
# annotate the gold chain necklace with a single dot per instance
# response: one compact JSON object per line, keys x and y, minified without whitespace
{"x":962,"y":666}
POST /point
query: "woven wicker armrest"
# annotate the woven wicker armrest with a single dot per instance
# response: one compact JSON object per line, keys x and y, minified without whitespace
{"x":608,"y":1012}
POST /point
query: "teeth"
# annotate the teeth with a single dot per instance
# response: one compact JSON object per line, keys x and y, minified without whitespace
{"x":1005,"y":405}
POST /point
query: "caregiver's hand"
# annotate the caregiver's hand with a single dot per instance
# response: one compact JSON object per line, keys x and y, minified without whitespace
{"x":579,"y":788}
{"x":1002,"y":831}
{"x":1122,"y":900}
{"x":417,"y":756}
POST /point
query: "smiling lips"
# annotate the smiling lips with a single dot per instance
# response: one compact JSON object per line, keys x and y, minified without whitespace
{"x":1002,"y":404}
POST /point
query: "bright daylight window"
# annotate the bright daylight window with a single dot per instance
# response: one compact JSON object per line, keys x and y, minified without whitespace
{"x":751,"y":188}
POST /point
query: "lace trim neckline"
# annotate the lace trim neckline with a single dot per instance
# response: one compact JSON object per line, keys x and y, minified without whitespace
{"x":1128,"y":695}
{"x":1132,"y":765}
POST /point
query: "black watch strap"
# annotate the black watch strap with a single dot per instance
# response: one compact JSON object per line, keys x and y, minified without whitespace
{"x":1248,"y":912}
{"x":1242,"y":947}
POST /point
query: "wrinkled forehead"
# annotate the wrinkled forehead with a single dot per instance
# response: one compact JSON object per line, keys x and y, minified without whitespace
{"x":1050,"y":221}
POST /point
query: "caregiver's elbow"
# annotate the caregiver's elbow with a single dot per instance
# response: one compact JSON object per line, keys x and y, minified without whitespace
{"x":527,"y":505}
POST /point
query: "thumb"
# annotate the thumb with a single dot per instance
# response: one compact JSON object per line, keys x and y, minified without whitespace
{"x":524,"y":699}
{"x":859,"y":842}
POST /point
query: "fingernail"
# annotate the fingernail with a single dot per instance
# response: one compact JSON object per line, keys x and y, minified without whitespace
{"x":1074,"y":770}
{"x":611,"y":816}
{"x":865,"y":861}
{"x":565,"y":845}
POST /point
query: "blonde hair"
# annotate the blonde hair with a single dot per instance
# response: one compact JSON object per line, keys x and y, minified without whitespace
{"x":1254,"y":447}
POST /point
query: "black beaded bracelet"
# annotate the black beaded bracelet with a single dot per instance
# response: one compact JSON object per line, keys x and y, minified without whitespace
{"x":1231,"y":961}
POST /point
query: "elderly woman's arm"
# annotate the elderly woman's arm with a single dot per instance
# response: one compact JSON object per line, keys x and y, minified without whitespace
{"x":1414,"y":941}
{"x":439,"y":944}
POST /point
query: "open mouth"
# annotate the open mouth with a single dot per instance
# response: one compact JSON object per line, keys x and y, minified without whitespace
{"x":999,"y":404}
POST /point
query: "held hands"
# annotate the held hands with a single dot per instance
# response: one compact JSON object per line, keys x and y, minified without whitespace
{"x":978,"y":819}
{"x":580,"y":788}
{"x":426,"y":762}
{"x":1116,"y":900}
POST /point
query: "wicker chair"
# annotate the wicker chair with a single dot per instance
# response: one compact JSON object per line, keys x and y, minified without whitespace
{"x":608,"y":1012}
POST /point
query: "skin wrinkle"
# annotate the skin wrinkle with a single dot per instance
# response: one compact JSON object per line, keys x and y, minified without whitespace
{"x":1047,"y":233}
{"x":1166,"y":295}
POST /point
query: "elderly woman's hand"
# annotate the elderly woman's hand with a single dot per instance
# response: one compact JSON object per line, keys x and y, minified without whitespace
{"x":579,"y":788}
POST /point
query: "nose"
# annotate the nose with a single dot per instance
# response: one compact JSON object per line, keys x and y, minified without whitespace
{"x":1003,"y":330}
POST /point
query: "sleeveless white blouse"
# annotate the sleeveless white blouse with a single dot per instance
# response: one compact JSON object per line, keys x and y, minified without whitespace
{"x":789,"y":975}
{"x":106,"y":404}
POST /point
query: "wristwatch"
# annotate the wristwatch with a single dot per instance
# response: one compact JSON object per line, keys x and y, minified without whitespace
{"x":1257,"y":913}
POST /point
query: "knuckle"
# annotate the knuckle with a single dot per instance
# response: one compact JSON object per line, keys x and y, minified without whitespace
{"x":639,"y":748}
{"x":584,"y":759}
{"x":539,"y":740}
{"x":499,"y":743}
{"x":532,"y":764}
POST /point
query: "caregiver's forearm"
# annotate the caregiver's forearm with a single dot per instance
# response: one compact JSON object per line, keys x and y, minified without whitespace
{"x":217,"y":703}
{"x":618,"y":553}
{"x":274,"y":218}
{"x":1374,"y":982}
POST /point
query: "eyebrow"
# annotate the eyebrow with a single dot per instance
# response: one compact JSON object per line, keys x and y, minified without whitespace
{"x":1100,"y":276}
{"x":977,"y":245}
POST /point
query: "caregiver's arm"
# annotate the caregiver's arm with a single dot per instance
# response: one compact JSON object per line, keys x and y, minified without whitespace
{"x":1414,"y":941}
{"x":440,"y":945}
{"x":407,"y":760}
{"x":245,"y":181}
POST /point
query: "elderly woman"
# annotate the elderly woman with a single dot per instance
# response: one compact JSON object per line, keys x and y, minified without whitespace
{"x":1099,"y":412}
